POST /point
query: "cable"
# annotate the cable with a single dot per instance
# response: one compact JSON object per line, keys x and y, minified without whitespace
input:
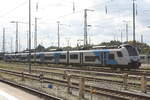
{"x":9,"y":12}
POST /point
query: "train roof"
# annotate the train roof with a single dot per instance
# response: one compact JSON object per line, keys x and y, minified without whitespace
{"x":93,"y":50}
{"x":52,"y":52}
{"x":96,"y":50}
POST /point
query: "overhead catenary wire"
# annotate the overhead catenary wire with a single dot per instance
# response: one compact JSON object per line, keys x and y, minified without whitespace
{"x":13,"y":9}
{"x":79,"y":11}
{"x":75,"y":12}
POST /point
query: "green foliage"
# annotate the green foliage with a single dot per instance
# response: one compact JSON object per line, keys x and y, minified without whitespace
{"x":145,"y":51}
{"x":40,"y":48}
{"x":142,"y":47}
{"x":111,"y":43}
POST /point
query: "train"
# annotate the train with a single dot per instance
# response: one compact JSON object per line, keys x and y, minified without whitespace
{"x":124,"y":56}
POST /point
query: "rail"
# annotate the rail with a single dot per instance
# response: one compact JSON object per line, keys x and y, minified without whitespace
{"x":107,"y":92}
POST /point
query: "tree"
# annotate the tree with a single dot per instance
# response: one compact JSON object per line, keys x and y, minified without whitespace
{"x":111,"y":43}
{"x":40,"y":48}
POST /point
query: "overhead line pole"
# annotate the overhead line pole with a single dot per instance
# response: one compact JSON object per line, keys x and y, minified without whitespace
{"x":16,"y":22}
{"x":27,"y":40}
{"x":141,"y":38}
{"x":35,"y":38}
{"x":85,"y":26}
{"x":58,"y":26}
{"x":3,"y":43}
{"x":134,"y":21}
{"x":35,"y":34}
{"x":29,"y":36}
{"x":127,"y":32}
{"x":126,"y":28}
{"x":16,"y":37}
{"x":11,"y":45}
{"x":121,"y":38}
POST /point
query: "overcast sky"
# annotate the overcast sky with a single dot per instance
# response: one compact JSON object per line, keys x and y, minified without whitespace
{"x":104,"y":26}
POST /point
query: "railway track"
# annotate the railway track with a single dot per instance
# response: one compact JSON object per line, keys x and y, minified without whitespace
{"x":74,"y":73}
{"x":92,"y":70}
{"x":121,"y":95}
{"x":96,"y":79}
{"x":36,"y":92}
{"x":88,"y":69}
{"x":136,"y":76}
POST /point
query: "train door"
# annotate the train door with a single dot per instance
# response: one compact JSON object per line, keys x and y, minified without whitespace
{"x":81,"y":57}
{"x":67,"y":57}
{"x":41,"y":57}
{"x":104,"y":58}
{"x":57,"y":55}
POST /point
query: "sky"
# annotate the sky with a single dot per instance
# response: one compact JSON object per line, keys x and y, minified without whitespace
{"x":104,"y":25}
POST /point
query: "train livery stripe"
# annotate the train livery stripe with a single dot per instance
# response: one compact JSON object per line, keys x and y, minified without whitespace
{"x":112,"y":62}
{"x":105,"y":59}
{"x":56,"y":56}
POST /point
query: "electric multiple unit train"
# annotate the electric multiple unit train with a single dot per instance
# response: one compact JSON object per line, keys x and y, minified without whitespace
{"x":125,"y":56}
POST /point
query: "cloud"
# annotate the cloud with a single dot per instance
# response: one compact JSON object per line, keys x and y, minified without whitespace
{"x":104,"y":26}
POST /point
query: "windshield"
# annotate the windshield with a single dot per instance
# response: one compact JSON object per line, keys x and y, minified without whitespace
{"x":132,"y":51}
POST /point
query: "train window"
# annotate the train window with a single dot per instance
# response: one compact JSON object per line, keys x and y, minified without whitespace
{"x":17,"y":56}
{"x":38,"y":56}
{"x":90,"y":58}
{"x":111,"y":57}
{"x":73,"y":56}
{"x":32,"y":56}
{"x":119,"y":53}
{"x":49,"y":57}
{"x":62,"y":56}
{"x":142,"y":57}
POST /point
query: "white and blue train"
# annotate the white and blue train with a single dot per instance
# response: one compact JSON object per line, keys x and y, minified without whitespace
{"x":125,"y":56}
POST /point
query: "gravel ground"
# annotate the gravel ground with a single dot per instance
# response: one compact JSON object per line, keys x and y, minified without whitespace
{"x":59,"y":91}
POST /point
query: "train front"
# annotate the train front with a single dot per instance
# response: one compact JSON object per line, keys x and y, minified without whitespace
{"x":134,"y":58}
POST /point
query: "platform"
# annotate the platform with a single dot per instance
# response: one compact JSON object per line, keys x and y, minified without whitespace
{"x":8,"y":92}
